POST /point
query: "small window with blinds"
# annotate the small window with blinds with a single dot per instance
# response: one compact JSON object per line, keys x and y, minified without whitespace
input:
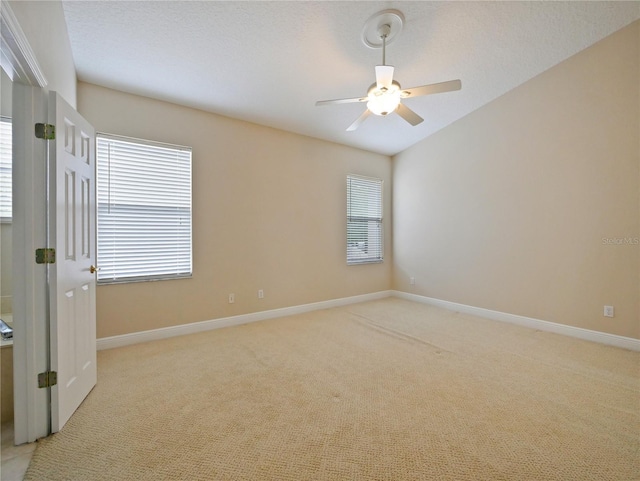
{"x":364,"y":220}
{"x":144,"y":210}
{"x":5,"y":169}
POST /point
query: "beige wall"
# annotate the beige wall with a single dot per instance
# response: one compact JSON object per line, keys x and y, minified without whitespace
{"x":507,"y":208}
{"x":269,"y":213}
{"x":6,"y":265}
{"x":6,"y":383}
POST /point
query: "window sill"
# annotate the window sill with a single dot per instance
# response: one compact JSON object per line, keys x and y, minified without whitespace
{"x":368,"y":261}
{"x":146,"y":279}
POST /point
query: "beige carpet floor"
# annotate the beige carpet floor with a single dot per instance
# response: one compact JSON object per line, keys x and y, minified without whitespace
{"x":383,"y":390}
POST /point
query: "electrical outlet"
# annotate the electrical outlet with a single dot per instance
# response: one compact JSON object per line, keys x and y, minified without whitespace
{"x":260,"y":294}
{"x":608,"y":311}
{"x":232,"y":298}
{"x":412,"y":281}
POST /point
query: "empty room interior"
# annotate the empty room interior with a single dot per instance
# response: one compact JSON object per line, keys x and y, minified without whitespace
{"x":320,"y":240}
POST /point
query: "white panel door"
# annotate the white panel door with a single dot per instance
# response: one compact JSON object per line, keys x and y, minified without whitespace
{"x":72,"y":228}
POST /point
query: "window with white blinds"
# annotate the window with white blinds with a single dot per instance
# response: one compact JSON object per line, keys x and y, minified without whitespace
{"x":144,"y":210}
{"x":5,"y":169}
{"x":364,"y":220}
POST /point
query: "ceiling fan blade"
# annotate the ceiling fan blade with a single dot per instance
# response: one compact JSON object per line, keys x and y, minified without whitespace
{"x":384,"y":76}
{"x":449,"y":86}
{"x":340,"y":101}
{"x":409,"y":115}
{"x":358,"y":121}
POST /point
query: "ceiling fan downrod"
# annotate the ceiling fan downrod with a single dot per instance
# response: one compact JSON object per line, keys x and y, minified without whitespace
{"x":384,"y":33}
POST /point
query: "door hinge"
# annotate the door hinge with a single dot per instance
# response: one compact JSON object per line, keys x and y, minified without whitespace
{"x":46,"y":131}
{"x":46,"y":256}
{"x":47,"y":379}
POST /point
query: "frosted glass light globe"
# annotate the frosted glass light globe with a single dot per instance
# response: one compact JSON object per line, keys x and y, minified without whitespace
{"x":383,"y":102}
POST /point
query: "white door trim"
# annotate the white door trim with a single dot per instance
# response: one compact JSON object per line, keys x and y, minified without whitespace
{"x":30,"y":356}
{"x":17,"y":57}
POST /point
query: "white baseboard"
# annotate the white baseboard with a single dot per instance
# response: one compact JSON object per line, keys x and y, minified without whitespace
{"x":577,"y":332}
{"x":166,"y":332}
{"x":181,"y":330}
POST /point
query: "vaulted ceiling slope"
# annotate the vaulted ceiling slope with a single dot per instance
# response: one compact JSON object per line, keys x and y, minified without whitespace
{"x":269,"y":62}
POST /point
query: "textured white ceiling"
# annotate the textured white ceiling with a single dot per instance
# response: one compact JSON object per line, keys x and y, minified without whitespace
{"x":268,"y":62}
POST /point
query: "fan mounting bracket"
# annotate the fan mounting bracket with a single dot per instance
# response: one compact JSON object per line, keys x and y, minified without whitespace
{"x":387,"y":22}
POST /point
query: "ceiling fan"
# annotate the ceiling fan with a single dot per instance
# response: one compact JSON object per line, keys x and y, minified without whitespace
{"x":385,"y":95}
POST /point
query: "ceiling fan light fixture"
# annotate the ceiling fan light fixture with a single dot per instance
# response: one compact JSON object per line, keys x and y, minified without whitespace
{"x":385,"y":95}
{"x":383,"y":101}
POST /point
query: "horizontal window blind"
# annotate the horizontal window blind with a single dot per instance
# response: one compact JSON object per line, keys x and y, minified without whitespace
{"x":144,"y":210}
{"x":364,"y":220}
{"x":5,"y":168}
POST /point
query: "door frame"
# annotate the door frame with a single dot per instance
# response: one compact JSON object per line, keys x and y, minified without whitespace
{"x":30,"y":345}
